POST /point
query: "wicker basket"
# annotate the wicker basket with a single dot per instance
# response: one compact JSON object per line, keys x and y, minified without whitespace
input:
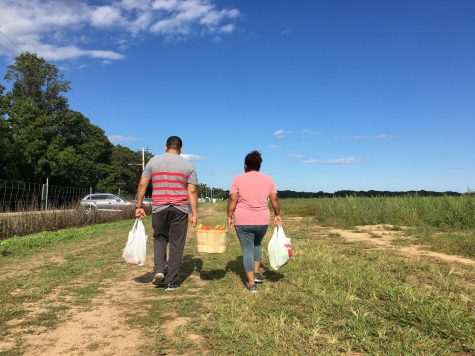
{"x":211,"y":241}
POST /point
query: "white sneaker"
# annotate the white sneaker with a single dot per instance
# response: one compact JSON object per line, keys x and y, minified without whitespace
{"x":157,"y":280}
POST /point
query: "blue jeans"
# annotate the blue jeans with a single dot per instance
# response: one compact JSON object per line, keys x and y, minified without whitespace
{"x":250,"y":237}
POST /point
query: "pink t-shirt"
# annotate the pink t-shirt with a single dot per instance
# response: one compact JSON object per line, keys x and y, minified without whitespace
{"x":253,"y":189}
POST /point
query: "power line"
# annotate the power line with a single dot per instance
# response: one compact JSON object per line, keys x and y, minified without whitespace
{"x":7,"y":49}
{"x":11,"y":41}
{"x":71,"y":93}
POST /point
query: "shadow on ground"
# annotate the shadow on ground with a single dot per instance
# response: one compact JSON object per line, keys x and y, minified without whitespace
{"x":236,"y":266}
{"x":188,"y":265}
{"x":191,"y":264}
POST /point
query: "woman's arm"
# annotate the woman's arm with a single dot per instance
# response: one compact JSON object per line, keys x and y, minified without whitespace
{"x":275,"y":205}
{"x":232,"y":202}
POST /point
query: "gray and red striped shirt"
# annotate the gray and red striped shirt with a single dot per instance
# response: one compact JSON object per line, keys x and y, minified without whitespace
{"x":170,"y":174}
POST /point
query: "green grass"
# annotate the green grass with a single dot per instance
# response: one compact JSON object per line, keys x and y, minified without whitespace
{"x":442,"y":213}
{"x":18,"y":246}
{"x":452,"y":242}
{"x":443,"y":224}
{"x":338,"y":298}
{"x":332,"y":297}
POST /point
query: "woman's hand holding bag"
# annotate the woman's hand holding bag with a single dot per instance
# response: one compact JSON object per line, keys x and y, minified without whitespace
{"x":279,"y":248}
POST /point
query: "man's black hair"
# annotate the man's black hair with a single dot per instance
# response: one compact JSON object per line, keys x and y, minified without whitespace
{"x":253,"y":161}
{"x":174,"y":142}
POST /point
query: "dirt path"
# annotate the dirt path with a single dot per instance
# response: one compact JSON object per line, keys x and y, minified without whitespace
{"x":99,"y":329}
{"x":103,"y":325}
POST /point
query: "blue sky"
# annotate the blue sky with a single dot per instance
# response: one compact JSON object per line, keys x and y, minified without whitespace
{"x":335,"y":94}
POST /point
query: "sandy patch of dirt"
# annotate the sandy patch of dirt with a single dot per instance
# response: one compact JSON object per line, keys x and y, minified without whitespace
{"x":415,"y":251}
{"x":100,"y":328}
{"x":100,"y":331}
{"x":294,"y":218}
{"x":174,"y":322}
{"x":57,"y":260}
{"x":382,"y":236}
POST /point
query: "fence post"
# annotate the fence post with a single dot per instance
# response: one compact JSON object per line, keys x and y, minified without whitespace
{"x":42,"y":196}
{"x":47,"y":188}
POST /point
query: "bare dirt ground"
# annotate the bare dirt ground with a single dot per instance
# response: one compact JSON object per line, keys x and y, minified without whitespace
{"x":382,"y":236}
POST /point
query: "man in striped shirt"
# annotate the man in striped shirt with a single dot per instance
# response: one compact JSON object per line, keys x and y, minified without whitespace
{"x":174,"y":184}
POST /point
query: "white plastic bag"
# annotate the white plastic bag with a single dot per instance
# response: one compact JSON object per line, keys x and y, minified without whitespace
{"x":279,"y":248}
{"x":136,"y":248}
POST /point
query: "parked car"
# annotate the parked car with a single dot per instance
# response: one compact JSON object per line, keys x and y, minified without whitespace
{"x":147,"y":202}
{"x":105,"y":202}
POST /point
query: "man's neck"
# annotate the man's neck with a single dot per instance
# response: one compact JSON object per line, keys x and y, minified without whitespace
{"x":173,"y":151}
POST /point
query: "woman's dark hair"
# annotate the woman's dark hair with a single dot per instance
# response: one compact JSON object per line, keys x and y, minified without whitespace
{"x":253,"y":161}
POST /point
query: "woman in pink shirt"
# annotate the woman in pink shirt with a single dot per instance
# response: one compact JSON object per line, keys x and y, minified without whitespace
{"x":248,"y":213}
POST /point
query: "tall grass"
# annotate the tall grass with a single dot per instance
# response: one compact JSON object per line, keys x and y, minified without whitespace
{"x":443,"y":213}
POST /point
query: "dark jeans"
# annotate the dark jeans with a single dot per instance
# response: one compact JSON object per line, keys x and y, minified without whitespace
{"x":169,"y":226}
{"x":250,"y":237}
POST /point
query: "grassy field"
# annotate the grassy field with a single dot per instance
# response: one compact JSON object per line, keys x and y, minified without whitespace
{"x":443,"y":213}
{"x":72,"y":293}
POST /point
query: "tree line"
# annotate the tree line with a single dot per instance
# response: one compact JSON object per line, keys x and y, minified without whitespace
{"x":42,"y":137}
{"x":361,"y":193}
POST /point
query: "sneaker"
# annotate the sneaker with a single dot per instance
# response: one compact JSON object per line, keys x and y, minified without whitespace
{"x":258,"y":278}
{"x":171,"y":287}
{"x":251,"y":288}
{"x":158,"y":279}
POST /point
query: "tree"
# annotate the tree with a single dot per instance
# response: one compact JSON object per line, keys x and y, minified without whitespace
{"x":47,"y":138}
{"x":4,"y":133}
{"x":124,"y":171}
{"x":38,"y":83}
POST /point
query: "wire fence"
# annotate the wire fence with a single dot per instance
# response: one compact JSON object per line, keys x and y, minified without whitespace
{"x":21,"y":196}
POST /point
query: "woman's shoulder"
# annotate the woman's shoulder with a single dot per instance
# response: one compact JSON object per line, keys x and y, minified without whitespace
{"x":264,"y":176}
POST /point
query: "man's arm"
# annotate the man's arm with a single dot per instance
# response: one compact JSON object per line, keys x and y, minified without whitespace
{"x":143,"y":184}
{"x":275,"y":205}
{"x":232,"y":202}
{"x":193,"y":196}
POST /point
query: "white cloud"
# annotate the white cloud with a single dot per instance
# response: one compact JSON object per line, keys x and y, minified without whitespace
{"x":192,"y":157}
{"x":135,"y":4}
{"x":166,"y":5}
{"x":364,"y":137}
{"x":339,"y":161}
{"x":119,"y":139}
{"x":53,"y":29}
{"x":286,"y":32}
{"x":274,"y":146}
{"x":104,"y":16}
{"x":312,"y":133}
{"x":296,"y":155}
{"x":281,"y":133}
{"x":186,"y":15}
{"x":227,"y":28}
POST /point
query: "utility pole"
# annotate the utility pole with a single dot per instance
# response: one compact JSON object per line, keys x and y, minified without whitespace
{"x":143,"y":160}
